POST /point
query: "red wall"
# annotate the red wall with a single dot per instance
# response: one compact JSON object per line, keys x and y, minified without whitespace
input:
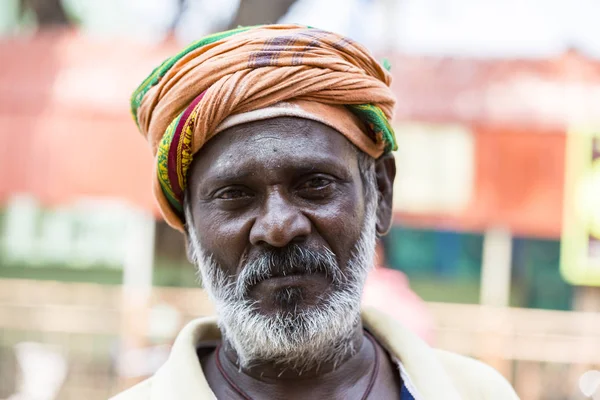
{"x":519,"y":180}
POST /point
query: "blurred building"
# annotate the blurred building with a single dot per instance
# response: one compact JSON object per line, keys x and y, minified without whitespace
{"x":496,"y":200}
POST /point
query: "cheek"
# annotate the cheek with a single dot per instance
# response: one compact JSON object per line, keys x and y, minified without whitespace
{"x":340,"y":225}
{"x":224,"y":238}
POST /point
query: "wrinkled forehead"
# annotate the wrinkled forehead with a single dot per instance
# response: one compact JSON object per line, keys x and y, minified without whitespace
{"x":277,"y":143}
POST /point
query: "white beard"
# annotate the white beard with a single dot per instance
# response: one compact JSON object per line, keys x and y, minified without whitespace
{"x":301,"y":340}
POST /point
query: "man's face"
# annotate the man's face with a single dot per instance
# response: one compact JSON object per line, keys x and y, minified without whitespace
{"x":278,"y":211}
{"x":267,"y":185}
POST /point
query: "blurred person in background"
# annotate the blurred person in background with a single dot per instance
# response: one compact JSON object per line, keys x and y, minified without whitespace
{"x":273,"y":152}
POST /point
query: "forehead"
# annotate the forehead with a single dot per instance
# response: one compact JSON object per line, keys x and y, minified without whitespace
{"x":277,"y":143}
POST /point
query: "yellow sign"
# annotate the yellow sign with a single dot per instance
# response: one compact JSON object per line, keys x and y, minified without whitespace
{"x":580,"y":242}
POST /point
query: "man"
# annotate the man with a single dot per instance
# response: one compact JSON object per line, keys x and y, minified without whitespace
{"x":273,"y":152}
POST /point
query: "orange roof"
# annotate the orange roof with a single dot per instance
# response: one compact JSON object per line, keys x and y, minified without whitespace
{"x":537,"y":93}
{"x":65,"y":127}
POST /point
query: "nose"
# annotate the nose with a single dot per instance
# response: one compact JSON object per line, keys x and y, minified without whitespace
{"x":279,"y":223}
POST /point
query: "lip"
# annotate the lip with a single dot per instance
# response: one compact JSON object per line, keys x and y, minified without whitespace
{"x":288,"y":280}
{"x":289,"y":277}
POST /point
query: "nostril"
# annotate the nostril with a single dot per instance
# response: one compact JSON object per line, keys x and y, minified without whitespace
{"x":299,"y":239}
{"x":279,"y":235}
{"x":280,"y":223}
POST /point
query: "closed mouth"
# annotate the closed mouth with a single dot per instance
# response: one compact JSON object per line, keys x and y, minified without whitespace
{"x":279,"y":273}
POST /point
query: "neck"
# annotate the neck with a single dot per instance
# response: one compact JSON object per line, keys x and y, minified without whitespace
{"x":273,"y":370}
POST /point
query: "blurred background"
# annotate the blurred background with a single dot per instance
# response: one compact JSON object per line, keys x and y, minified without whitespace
{"x":497,"y":201}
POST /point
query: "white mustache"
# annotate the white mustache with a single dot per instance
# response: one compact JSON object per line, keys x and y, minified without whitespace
{"x":291,"y":260}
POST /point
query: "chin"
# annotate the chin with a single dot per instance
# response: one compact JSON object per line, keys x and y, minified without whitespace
{"x":292,"y":329}
{"x":291,"y":295}
{"x":293,"y":301}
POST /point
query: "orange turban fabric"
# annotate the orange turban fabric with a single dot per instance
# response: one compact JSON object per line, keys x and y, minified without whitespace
{"x":257,"y":73}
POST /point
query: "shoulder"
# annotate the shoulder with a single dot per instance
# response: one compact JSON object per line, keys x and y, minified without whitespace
{"x":474,"y":379}
{"x":141,"y":391}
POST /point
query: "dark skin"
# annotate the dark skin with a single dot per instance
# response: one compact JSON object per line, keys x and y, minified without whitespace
{"x":268,"y":184}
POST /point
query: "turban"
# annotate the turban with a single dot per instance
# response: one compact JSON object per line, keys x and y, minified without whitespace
{"x":254,"y":73}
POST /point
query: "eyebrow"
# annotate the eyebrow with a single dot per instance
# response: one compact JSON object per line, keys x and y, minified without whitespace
{"x":301,"y":167}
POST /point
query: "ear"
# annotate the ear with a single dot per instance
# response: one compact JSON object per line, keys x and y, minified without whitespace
{"x":188,"y":247}
{"x":385,"y":171}
{"x":187,"y":238}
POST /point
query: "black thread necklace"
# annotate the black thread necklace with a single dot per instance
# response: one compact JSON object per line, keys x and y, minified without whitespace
{"x":239,"y":391}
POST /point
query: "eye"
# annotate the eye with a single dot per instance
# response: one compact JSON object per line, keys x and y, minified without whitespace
{"x":232,"y":194}
{"x":317,"y":187}
{"x":318,"y":182}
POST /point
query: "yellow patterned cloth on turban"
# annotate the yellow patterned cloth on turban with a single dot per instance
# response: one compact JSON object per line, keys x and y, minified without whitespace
{"x":253,"y":73}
